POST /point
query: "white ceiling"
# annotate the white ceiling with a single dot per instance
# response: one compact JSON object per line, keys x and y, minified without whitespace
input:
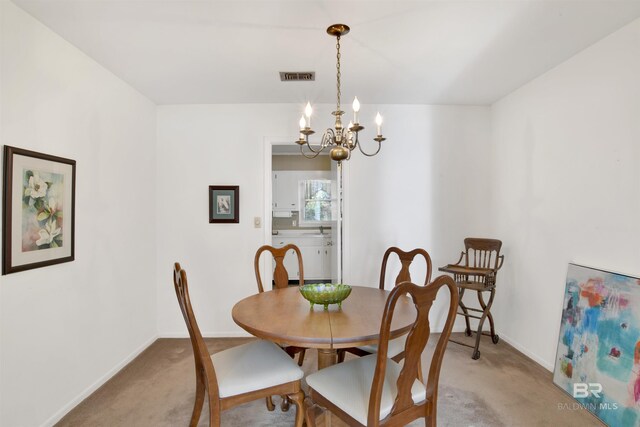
{"x":398,"y":52}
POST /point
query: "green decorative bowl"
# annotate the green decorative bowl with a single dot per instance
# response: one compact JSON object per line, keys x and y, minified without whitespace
{"x":325,"y":293}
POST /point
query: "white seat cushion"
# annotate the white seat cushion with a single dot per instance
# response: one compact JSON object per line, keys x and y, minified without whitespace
{"x":396,"y":346}
{"x":253,"y":366}
{"x":348,"y":386}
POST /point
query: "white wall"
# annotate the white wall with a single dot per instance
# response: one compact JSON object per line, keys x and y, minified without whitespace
{"x":411,"y":195}
{"x":566,"y":184}
{"x":420,"y":192}
{"x":67,"y":327}
{"x":200,"y":146}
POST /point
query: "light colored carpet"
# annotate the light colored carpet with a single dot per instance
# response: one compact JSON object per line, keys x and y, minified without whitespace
{"x":503,"y":388}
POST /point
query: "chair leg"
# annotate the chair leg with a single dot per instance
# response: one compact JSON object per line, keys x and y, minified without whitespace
{"x":298,"y":401}
{"x":341,"y":354}
{"x":197,"y":406}
{"x":485,"y":312}
{"x":286,"y":403}
{"x":467,"y":331}
{"x":301,"y":357}
{"x":494,"y":337}
{"x":430,"y":420}
{"x":309,"y":412}
{"x":270,"y":405}
{"x":214,"y":412}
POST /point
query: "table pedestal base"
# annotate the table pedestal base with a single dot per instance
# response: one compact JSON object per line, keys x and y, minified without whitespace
{"x":327,"y":357}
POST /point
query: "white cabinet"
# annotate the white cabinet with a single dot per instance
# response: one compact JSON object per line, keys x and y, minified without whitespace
{"x":312,"y":259}
{"x":316,"y":257}
{"x":274,"y":190}
{"x":284,"y":187}
{"x":326,"y":260}
{"x":285,"y":190}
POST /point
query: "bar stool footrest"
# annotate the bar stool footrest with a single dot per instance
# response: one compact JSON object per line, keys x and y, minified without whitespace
{"x":461,"y":343}
{"x":469,"y":315}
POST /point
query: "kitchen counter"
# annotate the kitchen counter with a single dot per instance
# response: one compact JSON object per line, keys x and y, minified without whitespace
{"x":302,"y":233}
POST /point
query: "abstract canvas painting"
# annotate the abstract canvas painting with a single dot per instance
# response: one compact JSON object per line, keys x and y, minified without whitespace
{"x":598,"y":357}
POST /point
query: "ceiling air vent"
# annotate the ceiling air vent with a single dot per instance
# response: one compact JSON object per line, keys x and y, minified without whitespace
{"x":297,"y":76}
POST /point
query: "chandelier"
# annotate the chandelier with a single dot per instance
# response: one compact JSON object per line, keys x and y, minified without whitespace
{"x":341,"y":140}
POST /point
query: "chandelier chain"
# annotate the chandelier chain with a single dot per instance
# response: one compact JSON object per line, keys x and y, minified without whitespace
{"x":338,"y":72}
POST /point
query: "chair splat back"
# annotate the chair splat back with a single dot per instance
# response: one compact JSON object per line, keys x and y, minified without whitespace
{"x":280,"y":274}
{"x":482,"y":253}
{"x":203,"y":364}
{"x":406,"y":258}
{"x":422,"y":297}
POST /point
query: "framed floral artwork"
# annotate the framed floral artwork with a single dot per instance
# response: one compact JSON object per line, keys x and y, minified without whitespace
{"x":38,"y":218}
{"x":224,"y":203}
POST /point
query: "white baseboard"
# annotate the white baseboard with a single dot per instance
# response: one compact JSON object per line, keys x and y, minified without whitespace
{"x":93,"y":387}
{"x":522,"y":349}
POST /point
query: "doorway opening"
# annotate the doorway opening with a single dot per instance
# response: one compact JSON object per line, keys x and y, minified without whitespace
{"x":302,"y":208}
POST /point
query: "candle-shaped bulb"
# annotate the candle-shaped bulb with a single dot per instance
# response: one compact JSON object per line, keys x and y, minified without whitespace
{"x":356,"y":108}
{"x":307,"y":111}
{"x":379,"y":123}
{"x":356,"y":105}
{"x":302,"y":122}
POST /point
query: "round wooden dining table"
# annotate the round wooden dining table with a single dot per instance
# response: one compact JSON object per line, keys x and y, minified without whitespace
{"x":285,"y":317}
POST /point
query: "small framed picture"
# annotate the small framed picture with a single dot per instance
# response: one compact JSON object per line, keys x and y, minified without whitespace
{"x":224,"y":203}
{"x":38,"y":218}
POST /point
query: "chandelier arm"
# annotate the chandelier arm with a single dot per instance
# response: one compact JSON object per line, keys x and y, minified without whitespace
{"x":324,"y":143}
{"x":313,"y":156}
{"x":328,"y":138}
{"x":370,"y":154}
{"x":311,"y":149}
{"x":356,"y":141}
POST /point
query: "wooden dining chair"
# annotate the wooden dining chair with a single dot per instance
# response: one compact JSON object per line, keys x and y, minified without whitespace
{"x":280,"y":273}
{"x":396,"y":346}
{"x":406,"y":258}
{"x":281,"y":280}
{"x":375,"y":390}
{"x":237,"y":375}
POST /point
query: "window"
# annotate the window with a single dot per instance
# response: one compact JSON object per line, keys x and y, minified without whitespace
{"x":317,"y":201}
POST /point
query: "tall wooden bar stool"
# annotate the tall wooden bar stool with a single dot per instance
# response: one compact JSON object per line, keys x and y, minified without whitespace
{"x":482,"y":260}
